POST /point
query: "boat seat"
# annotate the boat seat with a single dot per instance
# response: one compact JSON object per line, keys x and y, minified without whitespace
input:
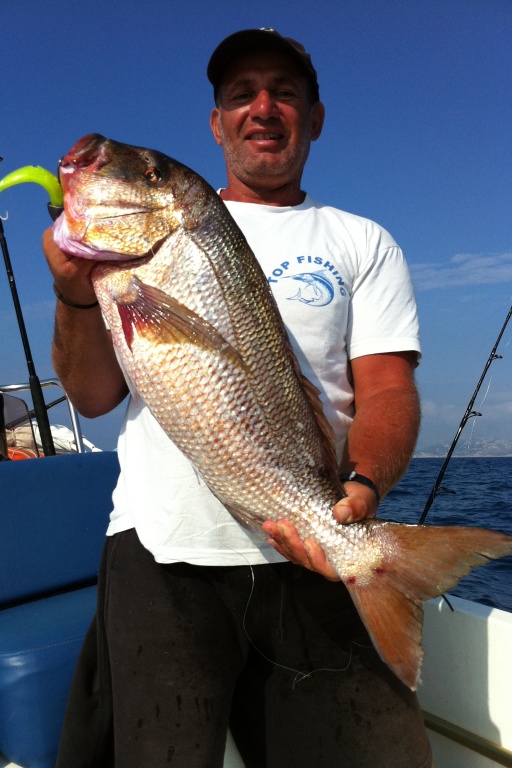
{"x":17,"y":437}
{"x":54,"y":514}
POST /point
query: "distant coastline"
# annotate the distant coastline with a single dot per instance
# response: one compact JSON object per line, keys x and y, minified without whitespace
{"x":478,"y":449}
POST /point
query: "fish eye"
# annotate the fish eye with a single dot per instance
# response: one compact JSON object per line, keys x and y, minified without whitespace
{"x":152,"y":175}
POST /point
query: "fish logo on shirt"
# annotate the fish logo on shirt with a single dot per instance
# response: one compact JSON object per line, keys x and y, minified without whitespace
{"x":314,"y":288}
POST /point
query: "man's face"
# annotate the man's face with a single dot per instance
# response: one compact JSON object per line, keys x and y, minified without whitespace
{"x":264,"y":120}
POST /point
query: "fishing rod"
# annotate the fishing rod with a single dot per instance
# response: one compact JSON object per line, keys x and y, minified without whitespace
{"x":32,"y":413}
{"x":469,"y":413}
{"x":52,"y":186}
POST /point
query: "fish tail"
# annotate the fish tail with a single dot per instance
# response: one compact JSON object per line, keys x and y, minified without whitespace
{"x":419,"y":563}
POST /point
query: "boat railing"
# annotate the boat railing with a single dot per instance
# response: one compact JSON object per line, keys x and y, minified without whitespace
{"x":10,"y":389}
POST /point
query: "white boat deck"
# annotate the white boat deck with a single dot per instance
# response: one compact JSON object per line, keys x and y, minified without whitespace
{"x":467,"y":684}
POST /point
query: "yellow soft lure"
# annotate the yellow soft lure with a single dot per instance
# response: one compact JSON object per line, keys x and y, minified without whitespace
{"x":37,"y":175}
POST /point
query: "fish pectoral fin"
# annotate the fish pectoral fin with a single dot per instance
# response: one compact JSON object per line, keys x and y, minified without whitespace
{"x":156,"y":316}
{"x":421,"y":562}
{"x":250,"y":522}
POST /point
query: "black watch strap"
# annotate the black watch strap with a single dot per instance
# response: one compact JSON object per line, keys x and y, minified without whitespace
{"x":354,"y":477}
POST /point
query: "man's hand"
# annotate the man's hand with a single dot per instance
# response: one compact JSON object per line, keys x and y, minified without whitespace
{"x":285,"y":539}
{"x":83,"y":355}
{"x":359,"y":504}
{"x":379,"y":444}
{"x":72,"y":276}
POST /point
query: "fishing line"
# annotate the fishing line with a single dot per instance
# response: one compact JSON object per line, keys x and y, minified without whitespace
{"x":480,"y":407}
{"x":469,"y":413}
{"x":486,"y":393}
{"x":300,"y":675}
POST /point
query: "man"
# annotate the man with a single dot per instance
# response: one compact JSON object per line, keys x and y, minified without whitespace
{"x":200,"y":625}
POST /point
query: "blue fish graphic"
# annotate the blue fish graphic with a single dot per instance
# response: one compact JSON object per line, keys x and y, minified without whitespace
{"x":315,"y":289}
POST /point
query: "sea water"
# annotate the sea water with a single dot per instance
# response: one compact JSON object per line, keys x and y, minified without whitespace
{"x":475,"y":492}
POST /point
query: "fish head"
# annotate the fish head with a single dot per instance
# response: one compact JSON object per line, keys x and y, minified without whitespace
{"x":121,"y":201}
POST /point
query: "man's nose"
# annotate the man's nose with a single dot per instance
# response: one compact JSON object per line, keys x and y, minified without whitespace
{"x":264,"y":105}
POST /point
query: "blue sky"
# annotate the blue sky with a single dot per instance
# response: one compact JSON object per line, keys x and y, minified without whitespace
{"x":417,"y":137}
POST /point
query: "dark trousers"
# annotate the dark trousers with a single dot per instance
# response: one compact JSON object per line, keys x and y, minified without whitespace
{"x":177,"y":653}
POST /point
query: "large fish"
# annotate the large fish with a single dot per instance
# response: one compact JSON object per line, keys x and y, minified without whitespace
{"x":202,"y":343}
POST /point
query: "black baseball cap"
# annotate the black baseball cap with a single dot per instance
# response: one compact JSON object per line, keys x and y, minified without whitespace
{"x":249,"y":40}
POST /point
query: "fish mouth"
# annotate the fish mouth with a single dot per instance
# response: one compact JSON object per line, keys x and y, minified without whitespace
{"x":88,"y":152}
{"x":74,"y":245}
{"x":106,"y":214}
{"x":86,"y":157}
{"x":91,"y":153}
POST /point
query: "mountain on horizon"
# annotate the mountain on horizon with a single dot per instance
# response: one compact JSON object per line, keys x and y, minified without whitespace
{"x":477,"y":448}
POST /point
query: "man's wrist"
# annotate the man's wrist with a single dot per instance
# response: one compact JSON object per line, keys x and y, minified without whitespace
{"x":355,"y":477}
{"x":72,"y":304}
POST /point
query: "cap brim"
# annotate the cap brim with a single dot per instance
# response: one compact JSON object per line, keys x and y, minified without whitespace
{"x":246,"y":41}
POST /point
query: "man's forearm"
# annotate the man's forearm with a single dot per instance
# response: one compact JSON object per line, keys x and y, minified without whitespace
{"x":85,"y":362}
{"x":382,"y":437}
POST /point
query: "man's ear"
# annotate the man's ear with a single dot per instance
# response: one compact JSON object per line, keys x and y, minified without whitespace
{"x":318,"y":117}
{"x":215,"y":125}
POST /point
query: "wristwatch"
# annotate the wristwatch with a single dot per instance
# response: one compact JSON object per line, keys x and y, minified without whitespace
{"x":355,"y":477}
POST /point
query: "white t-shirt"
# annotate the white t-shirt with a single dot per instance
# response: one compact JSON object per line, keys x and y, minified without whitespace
{"x":343,"y":290}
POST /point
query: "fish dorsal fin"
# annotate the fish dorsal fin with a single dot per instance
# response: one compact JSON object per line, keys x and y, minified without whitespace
{"x":155,"y":315}
{"x":312,"y":394}
{"x":327,"y":432}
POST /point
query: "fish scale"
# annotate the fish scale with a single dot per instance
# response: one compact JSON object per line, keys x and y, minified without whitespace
{"x":227,"y":431}
{"x":200,"y":338}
